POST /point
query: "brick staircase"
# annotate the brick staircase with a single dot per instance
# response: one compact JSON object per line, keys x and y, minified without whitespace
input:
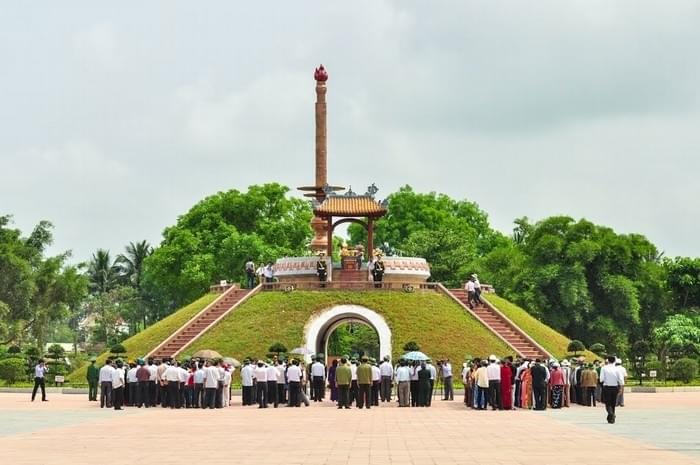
{"x":502,"y":326}
{"x":191,"y":330}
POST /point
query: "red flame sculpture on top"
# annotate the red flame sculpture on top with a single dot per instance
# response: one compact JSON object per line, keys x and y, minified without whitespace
{"x":320,"y":74}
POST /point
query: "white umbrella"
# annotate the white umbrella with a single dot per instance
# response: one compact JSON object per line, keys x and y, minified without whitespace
{"x":302,"y":351}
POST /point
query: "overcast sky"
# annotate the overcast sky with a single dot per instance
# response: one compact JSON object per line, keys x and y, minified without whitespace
{"x":117,"y":119}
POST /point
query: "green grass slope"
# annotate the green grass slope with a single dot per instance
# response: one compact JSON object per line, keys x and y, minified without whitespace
{"x":439,"y":326}
{"x":145,"y":341}
{"x":555,"y":343}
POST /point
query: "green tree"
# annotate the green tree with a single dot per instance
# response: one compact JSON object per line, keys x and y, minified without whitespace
{"x":685,"y":369}
{"x":277,"y":348}
{"x":215,"y":238}
{"x":598,"y":349}
{"x":575,"y":347}
{"x":411,"y":346}
{"x":684,"y":281}
{"x":450,"y":234}
{"x":103,"y":272}
{"x":132,"y":261}
{"x":679,"y":333}
{"x":11,"y":369}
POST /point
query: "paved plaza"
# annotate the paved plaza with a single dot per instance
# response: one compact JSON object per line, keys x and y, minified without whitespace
{"x":651,"y":429}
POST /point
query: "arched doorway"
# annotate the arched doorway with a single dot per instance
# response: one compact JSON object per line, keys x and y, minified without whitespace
{"x":322,"y":325}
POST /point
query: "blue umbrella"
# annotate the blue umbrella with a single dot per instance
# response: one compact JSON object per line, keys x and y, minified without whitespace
{"x":415,"y":355}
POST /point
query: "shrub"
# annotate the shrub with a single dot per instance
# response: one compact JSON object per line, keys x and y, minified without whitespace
{"x":575,"y":347}
{"x":57,"y":352}
{"x":411,"y":346}
{"x":11,"y":369}
{"x":277,"y":348}
{"x":656,"y":365}
{"x":14,"y":350}
{"x":598,"y":349}
{"x":685,"y":369}
{"x":117,"y":349}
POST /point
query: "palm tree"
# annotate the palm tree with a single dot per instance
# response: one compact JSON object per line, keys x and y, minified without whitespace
{"x":103,"y":273}
{"x":131,"y":263}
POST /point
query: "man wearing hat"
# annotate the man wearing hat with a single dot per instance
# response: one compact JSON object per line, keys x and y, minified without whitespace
{"x":378,"y":270}
{"x":376,"y":381}
{"x":322,"y":269}
{"x":343,"y":377}
{"x":364,"y":382}
{"x":623,"y":373}
{"x":318,"y":380}
{"x":494,"y":373}
{"x":93,"y":376}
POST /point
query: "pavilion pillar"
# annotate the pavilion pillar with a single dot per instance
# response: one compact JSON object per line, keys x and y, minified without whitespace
{"x":329,"y":246}
{"x":370,"y":238}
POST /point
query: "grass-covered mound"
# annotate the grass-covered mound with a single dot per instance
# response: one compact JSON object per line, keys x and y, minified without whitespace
{"x":555,"y":343}
{"x":439,"y":326}
{"x":147,"y":340}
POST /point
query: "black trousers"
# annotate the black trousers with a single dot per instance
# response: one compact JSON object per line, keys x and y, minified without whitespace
{"x":354,"y":391}
{"x":430,"y":396}
{"x":318,"y":388}
{"x":590,"y":396}
{"x":414,"y":393}
{"x":281,"y":398}
{"x":294,"y":400}
{"x":540,"y":394}
{"x":118,"y":397}
{"x":39,"y":383}
{"x":609,"y":396}
{"x":197,"y":400}
{"x":152,"y":393}
{"x":262,"y":395}
{"x":142,"y":397}
{"x":495,"y":394}
{"x":343,"y":396}
{"x":363,"y":398}
{"x":386,"y":389}
{"x":163,"y":395}
{"x":272,"y":393}
{"x":247,"y":395}
{"x":173,"y":394}
{"x":106,"y":394}
{"x":219,"y":401}
{"x":133,"y":393}
{"x":209,"y":398}
{"x":375,"y":392}
{"x":92,"y":390}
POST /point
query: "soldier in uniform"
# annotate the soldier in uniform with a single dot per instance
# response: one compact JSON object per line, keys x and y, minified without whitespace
{"x":322,"y":269}
{"x":93,"y":377}
{"x":378,"y":271}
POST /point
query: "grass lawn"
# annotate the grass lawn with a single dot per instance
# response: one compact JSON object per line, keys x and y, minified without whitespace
{"x":555,"y":343}
{"x":143,"y":342}
{"x":439,"y":326}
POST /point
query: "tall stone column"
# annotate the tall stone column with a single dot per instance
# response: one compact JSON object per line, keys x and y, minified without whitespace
{"x":320,"y":226}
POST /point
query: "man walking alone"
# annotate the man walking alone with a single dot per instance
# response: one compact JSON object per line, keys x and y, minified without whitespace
{"x":612,"y":381}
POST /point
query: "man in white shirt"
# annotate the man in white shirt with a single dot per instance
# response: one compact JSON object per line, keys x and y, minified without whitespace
{"x":281,"y":382}
{"x":228,"y":377}
{"x":447,"y":379}
{"x":247,"y":382}
{"x":268,"y":273}
{"x":40,"y":371}
{"x":171,"y":376}
{"x":261,"y":378}
{"x":433,"y":376}
{"x":623,"y":371}
{"x":132,"y":383}
{"x":118,"y":386}
{"x":471,"y":293}
{"x":477,"y":289}
{"x":211,"y":384}
{"x":272,"y":384}
{"x":106,"y":384}
{"x":403,"y":380}
{"x":494,"y":373}
{"x":415,"y":385}
{"x":152,"y":383}
{"x":612,"y":381}
{"x":354,"y":387}
{"x":318,"y":379}
{"x":376,"y":383}
{"x":294,"y":378}
{"x":198,"y":400}
{"x":387,"y":373}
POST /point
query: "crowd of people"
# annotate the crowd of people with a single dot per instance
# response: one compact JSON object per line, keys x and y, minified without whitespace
{"x":536,"y":384}
{"x":499,"y":384}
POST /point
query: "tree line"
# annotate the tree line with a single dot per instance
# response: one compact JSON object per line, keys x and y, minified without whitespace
{"x":585,"y":280}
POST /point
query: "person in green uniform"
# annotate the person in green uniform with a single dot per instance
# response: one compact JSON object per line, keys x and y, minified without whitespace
{"x":364,"y":382}
{"x":322,"y":269}
{"x":93,"y":377}
{"x":424,"y":390}
{"x":343,"y":377}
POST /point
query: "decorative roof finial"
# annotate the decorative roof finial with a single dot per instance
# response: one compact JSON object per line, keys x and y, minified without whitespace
{"x":372,"y":190}
{"x":320,"y":74}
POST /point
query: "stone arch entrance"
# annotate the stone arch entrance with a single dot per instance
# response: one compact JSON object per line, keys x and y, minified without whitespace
{"x":321,"y":326}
